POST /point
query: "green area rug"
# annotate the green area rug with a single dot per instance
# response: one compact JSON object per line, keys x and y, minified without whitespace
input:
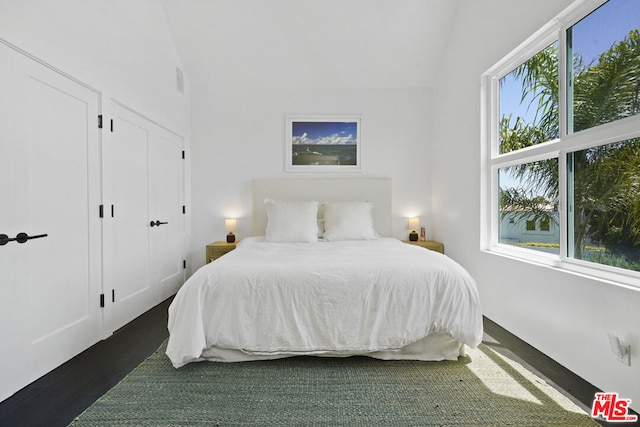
{"x":481,"y":389}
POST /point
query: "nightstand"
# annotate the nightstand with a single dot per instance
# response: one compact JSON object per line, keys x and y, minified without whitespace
{"x":216,"y":249}
{"x":428,"y":244}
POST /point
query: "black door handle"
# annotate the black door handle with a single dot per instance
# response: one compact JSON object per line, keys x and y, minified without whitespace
{"x":20,"y":238}
{"x":157,"y":223}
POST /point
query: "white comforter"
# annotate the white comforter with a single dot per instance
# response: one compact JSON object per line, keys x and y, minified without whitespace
{"x":327,"y":297}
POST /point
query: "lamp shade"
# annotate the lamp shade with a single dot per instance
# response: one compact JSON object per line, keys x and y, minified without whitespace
{"x":414,"y":223}
{"x":230,"y":224}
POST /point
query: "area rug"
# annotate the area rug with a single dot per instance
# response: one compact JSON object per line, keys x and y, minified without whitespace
{"x":482,"y":389}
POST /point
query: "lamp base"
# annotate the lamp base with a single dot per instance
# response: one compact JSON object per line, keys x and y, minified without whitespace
{"x":231,"y":237}
{"x":413,"y":236}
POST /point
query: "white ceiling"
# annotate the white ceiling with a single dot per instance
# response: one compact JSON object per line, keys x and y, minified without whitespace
{"x":310,"y":43}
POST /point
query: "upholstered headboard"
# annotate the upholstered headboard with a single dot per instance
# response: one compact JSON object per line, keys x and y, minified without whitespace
{"x":375,"y":190}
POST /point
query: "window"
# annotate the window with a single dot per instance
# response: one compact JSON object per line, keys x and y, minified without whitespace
{"x":529,"y":102}
{"x":545,"y":225}
{"x":528,"y":207}
{"x":604,"y":202}
{"x":602,"y":64}
{"x":563,"y":144}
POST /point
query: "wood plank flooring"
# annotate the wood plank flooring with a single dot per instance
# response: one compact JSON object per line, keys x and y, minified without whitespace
{"x":58,"y":397}
{"x":64,"y":393}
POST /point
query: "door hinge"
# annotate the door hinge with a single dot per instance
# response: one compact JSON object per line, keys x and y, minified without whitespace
{"x":101,"y":300}
{"x":184,"y":209}
{"x":183,"y":154}
{"x":99,"y":121}
{"x":113,"y":295}
{"x":184,"y":263}
{"x":112,"y":211}
{"x":111,"y":125}
{"x":101,"y":211}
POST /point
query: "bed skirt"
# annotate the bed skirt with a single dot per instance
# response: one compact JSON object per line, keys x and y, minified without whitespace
{"x":434,"y":347}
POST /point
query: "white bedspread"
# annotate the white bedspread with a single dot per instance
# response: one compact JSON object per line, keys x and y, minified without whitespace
{"x":326,"y":297}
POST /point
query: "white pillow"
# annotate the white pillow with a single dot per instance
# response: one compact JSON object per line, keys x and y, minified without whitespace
{"x":348,"y":221}
{"x":294,"y":222}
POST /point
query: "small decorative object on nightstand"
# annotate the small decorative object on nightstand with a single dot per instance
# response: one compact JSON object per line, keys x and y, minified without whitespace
{"x":428,"y":244}
{"x":216,"y":249}
{"x":230,"y":225}
{"x":414,"y":224}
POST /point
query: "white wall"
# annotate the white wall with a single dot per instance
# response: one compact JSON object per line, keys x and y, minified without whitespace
{"x":121,"y":48}
{"x":238,"y":135}
{"x":565,"y":316}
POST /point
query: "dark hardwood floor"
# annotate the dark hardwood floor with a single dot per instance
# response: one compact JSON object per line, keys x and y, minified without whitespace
{"x":58,"y":397}
{"x":64,"y":393}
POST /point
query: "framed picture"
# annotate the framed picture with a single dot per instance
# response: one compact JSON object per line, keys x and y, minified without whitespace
{"x":323,"y":144}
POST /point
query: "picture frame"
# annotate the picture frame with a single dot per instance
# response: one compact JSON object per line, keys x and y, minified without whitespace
{"x":323,"y":143}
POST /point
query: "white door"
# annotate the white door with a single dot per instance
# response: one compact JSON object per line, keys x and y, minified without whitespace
{"x":49,"y":187}
{"x":144,"y":186}
{"x":166,"y":209}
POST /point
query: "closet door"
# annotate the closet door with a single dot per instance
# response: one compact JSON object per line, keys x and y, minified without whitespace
{"x":144,"y":224}
{"x":50,"y":242}
{"x":126,"y":224}
{"x":166,"y":207}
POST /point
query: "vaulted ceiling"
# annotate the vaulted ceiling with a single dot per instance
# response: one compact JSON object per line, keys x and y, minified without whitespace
{"x":311,"y":43}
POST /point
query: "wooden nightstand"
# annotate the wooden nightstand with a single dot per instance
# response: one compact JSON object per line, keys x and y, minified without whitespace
{"x":216,"y":249}
{"x":428,"y":244}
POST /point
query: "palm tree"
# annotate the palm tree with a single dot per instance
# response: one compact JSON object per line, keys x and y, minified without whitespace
{"x":539,"y":76}
{"x":606,"y":190}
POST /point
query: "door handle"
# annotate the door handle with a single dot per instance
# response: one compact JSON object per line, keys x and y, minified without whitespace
{"x":20,"y":238}
{"x":157,"y":223}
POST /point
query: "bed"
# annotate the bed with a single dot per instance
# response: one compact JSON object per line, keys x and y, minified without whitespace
{"x":319,"y":278}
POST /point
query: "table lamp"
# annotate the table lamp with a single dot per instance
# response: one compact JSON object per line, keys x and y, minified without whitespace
{"x":230,"y":225}
{"x":414,"y":224}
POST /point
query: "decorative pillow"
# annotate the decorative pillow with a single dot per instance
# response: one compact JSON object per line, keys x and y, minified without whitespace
{"x":348,"y":221}
{"x":294,"y":222}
